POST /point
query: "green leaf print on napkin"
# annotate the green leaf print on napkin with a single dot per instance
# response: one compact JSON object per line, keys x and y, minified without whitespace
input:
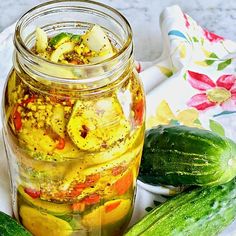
{"x":209,"y":61}
{"x":166,"y":71}
{"x":195,"y":39}
{"x":217,"y":127}
{"x":224,"y":64}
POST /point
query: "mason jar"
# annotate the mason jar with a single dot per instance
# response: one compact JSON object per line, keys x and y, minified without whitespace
{"x":73,"y":133}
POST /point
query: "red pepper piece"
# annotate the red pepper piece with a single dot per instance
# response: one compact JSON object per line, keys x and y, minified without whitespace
{"x":123,"y":184}
{"x":78,"y":189}
{"x":61,"y":143}
{"x":62,"y":98}
{"x":112,"y":206}
{"x":87,"y":201}
{"x":67,"y":100}
{"x":91,"y":199}
{"x":81,"y":186}
{"x":138,"y":112}
{"x":117,"y":170}
{"x":92,"y":179}
{"x":32,"y":193}
{"x":84,"y":131}
{"x":28,"y":100}
{"x":78,"y":206}
{"x":75,"y":192}
{"x":74,"y":62}
{"x":17,"y":119}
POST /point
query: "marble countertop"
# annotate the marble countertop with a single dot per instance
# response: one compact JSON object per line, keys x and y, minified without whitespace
{"x":216,"y":15}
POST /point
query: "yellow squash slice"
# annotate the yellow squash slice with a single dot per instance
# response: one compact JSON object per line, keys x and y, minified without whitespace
{"x":95,"y":125}
{"x":42,"y":224}
{"x":103,"y":216}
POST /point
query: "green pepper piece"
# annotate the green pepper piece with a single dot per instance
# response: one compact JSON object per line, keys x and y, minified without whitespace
{"x":59,"y":39}
{"x":75,"y":38}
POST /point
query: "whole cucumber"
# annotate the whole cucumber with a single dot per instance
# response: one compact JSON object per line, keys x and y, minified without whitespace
{"x":200,"y":212}
{"x":180,"y":155}
{"x":10,"y":227}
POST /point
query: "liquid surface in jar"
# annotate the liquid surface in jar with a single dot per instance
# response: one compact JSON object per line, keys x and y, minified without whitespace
{"x":76,"y":159}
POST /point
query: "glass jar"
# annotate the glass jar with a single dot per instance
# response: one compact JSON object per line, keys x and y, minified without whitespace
{"x":73,"y":133}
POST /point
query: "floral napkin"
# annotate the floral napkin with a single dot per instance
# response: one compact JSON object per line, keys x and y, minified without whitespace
{"x":201,"y":86}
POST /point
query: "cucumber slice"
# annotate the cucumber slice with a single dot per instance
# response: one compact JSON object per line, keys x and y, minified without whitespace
{"x":63,"y":48}
{"x":40,"y":223}
{"x":94,"y":125}
{"x":41,"y":40}
{"x":59,"y":39}
{"x":53,"y":208}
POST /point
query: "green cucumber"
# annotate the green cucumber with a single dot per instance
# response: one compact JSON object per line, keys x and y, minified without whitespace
{"x":9,"y":227}
{"x":200,"y":212}
{"x":180,"y":155}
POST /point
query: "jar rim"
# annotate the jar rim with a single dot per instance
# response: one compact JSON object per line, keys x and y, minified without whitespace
{"x":21,"y":46}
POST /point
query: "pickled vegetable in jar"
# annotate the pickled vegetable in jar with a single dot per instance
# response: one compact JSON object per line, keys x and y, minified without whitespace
{"x":73,"y":115}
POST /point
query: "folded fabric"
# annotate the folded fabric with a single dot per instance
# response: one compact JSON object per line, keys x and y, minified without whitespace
{"x":201,"y":86}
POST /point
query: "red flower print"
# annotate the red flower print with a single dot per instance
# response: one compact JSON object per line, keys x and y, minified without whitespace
{"x":222,"y":92}
{"x":212,"y":37}
{"x":187,"y":24}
